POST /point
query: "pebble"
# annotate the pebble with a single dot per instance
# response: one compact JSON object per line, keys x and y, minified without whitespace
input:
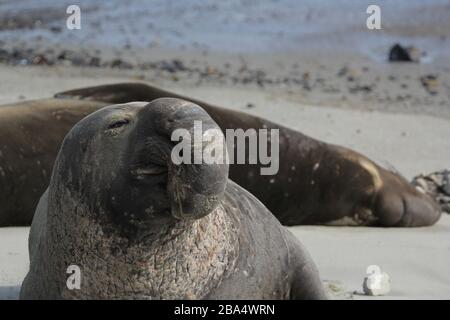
{"x":377,"y":284}
{"x":430,"y":83}
{"x":437,"y":186}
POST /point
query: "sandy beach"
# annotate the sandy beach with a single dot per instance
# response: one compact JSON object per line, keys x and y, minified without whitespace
{"x":329,"y":80}
{"x":417,"y":259}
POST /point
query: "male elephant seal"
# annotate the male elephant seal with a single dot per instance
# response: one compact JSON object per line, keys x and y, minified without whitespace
{"x":317,"y":183}
{"x":140,"y":226}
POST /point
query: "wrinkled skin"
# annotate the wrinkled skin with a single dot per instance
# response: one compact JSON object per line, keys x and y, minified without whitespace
{"x":141,"y":227}
{"x":317,"y":183}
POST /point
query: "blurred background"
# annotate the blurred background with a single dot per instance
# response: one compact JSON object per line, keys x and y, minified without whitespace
{"x":300,"y":45}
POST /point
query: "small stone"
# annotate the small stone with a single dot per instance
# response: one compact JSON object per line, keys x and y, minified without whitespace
{"x":377,"y":284}
{"x":210,"y":70}
{"x":430,"y":83}
{"x":336,"y":290}
{"x":351,"y":73}
{"x":55,"y":29}
{"x":94,"y":62}
{"x":437,"y":186}
{"x":119,"y":63}
{"x":40,"y":59}
{"x":179,"y":65}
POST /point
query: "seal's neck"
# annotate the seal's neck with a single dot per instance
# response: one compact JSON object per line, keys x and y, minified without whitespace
{"x":180,"y":260}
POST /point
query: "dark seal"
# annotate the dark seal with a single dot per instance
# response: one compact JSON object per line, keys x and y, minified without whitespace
{"x":31,"y":133}
{"x":140,"y":226}
{"x":317,"y":183}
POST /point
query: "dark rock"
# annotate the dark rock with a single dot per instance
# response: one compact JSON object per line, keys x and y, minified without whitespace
{"x":430,"y":83}
{"x":405,"y":54}
{"x":436,"y":185}
{"x":179,"y":65}
{"x":94,"y":62}
{"x":55,"y":29}
{"x":40,"y":59}
{"x":4,"y":55}
{"x":61,"y":56}
{"x":210,"y":70}
{"x":342,"y":72}
{"x":166,"y":66}
{"x":120,"y":64}
{"x":360,"y":88}
{"x":351,"y":73}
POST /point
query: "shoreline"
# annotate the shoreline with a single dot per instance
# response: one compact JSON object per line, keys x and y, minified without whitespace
{"x":347,"y":82}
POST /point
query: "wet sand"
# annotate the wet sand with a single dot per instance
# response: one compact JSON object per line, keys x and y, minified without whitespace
{"x":316,"y":52}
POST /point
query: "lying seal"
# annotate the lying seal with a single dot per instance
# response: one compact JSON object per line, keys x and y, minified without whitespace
{"x":141,"y":227}
{"x":317,"y":183}
{"x":30,"y":136}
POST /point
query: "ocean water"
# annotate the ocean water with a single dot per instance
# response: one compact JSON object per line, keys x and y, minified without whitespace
{"x":236,"y":25}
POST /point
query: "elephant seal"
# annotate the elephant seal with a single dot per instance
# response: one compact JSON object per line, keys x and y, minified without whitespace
{"x":317,"y":183}
{"x":31,"y":133}
{"x":140,"y":226}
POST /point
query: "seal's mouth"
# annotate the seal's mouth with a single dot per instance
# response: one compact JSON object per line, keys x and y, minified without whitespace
{"x":149,"y":170}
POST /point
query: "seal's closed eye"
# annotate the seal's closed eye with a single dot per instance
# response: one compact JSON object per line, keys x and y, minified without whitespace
{"x":148,"y":170}
{"x":118,"y":123}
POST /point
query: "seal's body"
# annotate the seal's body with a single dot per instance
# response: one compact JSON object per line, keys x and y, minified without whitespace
{"x":317,"y":183}
{"x":31,"y":133}
{"x":140,"y":226}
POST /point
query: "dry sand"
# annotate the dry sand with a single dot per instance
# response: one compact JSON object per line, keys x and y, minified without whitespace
{"x":417,"y":259}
